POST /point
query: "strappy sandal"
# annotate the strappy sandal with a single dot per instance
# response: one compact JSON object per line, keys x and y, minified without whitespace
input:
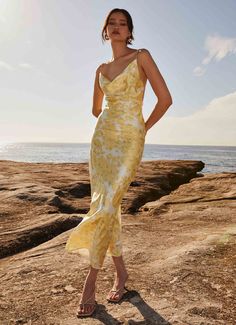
{"x":117,"y":291}
{"x":79,"y":313}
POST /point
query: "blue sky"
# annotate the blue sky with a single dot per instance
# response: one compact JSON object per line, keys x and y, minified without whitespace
{"x":49,"y":51}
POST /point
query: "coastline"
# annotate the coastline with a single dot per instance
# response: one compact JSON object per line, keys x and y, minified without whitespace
{"x":216,"y":158}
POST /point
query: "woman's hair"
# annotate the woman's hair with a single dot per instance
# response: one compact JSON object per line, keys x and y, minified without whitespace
{"x":129,"y":22}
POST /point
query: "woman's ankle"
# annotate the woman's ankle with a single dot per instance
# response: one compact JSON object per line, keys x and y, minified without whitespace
{"x":122,"y":275}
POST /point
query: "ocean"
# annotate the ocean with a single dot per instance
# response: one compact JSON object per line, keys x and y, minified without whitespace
{"x":217,"y":159}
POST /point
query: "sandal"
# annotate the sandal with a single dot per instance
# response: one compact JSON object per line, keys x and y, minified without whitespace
{"x":79,"y":313}
{"x":117,"y":291}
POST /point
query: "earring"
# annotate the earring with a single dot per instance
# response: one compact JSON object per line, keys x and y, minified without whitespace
{"x":106,"y":36}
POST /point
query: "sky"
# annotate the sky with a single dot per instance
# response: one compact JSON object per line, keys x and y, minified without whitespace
{"x":50,"y":50}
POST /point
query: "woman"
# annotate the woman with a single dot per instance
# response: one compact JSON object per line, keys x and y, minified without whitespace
{"x":116,"y":151}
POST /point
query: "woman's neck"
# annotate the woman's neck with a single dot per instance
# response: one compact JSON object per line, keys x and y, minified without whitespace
{"x":119,"y":51}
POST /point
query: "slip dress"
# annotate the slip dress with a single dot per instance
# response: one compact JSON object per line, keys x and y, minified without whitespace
{"x":115,"y":154}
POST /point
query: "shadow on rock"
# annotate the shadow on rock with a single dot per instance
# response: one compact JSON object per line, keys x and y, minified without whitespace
{"x":151,"y":317}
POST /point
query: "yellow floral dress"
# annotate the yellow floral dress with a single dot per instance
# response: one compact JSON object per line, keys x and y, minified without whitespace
{"x":115,"y":154}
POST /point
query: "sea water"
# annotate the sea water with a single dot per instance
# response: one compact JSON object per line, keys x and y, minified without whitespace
{"x":217,"y":159}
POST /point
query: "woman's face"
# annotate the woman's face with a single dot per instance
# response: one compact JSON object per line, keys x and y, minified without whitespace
{"x":117,"y":27}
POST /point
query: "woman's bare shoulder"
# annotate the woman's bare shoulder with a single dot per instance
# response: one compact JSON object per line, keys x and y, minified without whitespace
{"x":98,"y":70}
{"x":144,"y":52}
{"x":145,"y":56}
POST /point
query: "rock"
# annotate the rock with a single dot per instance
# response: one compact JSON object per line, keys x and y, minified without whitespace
{"x":38,"y":217}
{"x":55,"y":201}
{"x":178,"y":230}
{"x":69,"y":288}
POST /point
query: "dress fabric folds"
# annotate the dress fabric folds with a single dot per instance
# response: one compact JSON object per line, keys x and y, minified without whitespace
{"x":115,"y":154}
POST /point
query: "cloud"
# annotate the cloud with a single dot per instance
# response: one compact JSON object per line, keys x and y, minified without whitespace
{"x":6,"y":66}
{"x":25,"y":65}
{"x":199,"y":71}
{"x":218,"y":48}
{"x":211,"y":125}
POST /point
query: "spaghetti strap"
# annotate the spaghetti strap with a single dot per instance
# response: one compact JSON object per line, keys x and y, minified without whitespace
{"x":138,"y":51}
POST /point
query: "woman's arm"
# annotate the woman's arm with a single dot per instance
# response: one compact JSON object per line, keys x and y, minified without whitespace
{"x":159,"y":87}
{"x":97,"y":95}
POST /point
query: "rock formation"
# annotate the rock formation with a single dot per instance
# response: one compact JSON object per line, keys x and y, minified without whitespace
{"x":178,"y":238}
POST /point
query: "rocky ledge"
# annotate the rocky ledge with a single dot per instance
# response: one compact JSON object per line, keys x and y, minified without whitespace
{"x":178,"y":236}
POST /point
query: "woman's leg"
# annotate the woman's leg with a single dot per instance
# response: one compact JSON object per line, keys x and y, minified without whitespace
{"x":121,"y":277}
{"x":89,"y":290}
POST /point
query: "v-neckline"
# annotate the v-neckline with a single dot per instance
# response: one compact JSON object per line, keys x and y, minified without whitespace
{"x":110,"y":81}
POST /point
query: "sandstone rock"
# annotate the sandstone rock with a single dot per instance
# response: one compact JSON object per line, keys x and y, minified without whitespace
{"x":178,"y":238}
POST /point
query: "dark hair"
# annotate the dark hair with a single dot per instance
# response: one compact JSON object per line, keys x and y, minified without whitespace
{"x":129,"y":22}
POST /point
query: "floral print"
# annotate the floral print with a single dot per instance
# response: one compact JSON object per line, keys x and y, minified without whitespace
{"x":115,"y":154}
